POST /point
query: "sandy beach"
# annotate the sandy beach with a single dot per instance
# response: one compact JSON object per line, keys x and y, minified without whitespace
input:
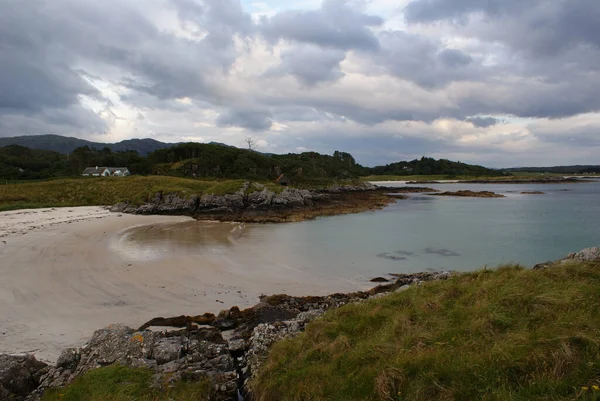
{"x":66,"y":272}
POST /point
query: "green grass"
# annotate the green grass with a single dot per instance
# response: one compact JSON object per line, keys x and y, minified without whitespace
{"x":109,"y":190}
{"x":118,"y":383}
{"x":509,"y":334}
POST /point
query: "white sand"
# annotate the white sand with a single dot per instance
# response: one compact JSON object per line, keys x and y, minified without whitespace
{"x":21,"y":222}
{"x":61,"y":278}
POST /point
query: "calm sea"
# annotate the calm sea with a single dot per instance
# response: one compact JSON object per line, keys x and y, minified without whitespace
{"x":416,"y":234}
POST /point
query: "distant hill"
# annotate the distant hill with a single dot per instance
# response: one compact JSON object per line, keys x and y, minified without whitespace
{"x":577,"y":169}
{"x":65,"y":144}
{"x":429,"y":166}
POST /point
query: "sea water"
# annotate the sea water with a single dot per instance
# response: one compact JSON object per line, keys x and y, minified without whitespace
{"x":421,"y":233}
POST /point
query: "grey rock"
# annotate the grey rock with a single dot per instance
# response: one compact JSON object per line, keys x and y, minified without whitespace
{"x":543,"y":265}
{"x":292,"y":197}
{"x":403,"y":288}
{"x":19,"y":375}
{"x":119,"y":207}
{"x":261,"y":200}
{"x":585,"y":255}
{"x":236,"y":345}
{"x":167,"y":350}
{"x":310,"y":315}
{"x":171,"y":367}
{"x":4,"y":393}
{"x":68,"y":359}
{"x":118,"y":343}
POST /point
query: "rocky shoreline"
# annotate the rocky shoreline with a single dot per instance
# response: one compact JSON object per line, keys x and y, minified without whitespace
{"x":227,"y":348}
{"x":254,"y":203}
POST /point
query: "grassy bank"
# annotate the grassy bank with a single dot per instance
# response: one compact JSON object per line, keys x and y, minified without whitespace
{"x":108,"y":191}
{"x":510,"y":334}
{"x":117,"y":383}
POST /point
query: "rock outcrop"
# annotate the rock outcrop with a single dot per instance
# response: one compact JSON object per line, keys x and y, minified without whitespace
{"x":255,"y":203}
{"x":470,"y":194}
{"x":20,"y":375}
{"x":586,"y":255}
{"x":173,"y":356}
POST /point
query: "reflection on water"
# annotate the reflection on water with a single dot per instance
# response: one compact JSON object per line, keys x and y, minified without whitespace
{"x":157,"y":241}
{"x":417,"y":234}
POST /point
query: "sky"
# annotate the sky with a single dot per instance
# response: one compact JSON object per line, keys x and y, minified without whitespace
{"x":501,"y":83}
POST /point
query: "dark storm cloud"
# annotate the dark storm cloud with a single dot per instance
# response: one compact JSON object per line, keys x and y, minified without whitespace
{"x":533,"y":98}
{"x":549,"y":48}
{"x":256,"y":120}
{"x":335,"y":25}
{"x":483,"y":122}
{"x":435,"y":10}
{"x":41,"y":41}
{"x":36,"y":80}
{"x":343,"y":109}
{"x":568,"y":135}
{"x":542,"y":27}
{"x":311,"y":64}
{"x":424,"y":62}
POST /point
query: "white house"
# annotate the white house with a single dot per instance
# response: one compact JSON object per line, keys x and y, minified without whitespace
{"x":106,"y":172}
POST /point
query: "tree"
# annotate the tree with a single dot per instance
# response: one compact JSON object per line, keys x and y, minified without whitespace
{"x":251,"y":143}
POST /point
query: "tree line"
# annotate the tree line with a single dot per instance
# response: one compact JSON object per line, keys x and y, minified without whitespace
{"x":213,"y":160}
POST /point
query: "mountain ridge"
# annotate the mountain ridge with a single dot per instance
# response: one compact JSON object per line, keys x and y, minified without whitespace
{"x":67,"y":144}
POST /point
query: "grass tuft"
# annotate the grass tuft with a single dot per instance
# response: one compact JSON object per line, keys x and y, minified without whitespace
{"x":505,"y":334}
{"x":118,"y":383}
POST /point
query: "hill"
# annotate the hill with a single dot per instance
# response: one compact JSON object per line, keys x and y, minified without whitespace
{"x":65,"y":144}
{"x":429,"y":166}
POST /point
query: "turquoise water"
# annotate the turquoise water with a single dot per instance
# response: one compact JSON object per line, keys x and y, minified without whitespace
{"x":425,"y":233}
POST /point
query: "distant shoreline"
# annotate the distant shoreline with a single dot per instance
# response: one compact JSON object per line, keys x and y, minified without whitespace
{"x":549,"y":180}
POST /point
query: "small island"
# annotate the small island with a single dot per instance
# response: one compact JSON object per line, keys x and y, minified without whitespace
{"x":533,"y":193}
{"x":470,"y":194}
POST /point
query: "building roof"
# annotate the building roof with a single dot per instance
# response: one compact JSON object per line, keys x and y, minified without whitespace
{"x":94,"y":170}
{"x":100,"y":170}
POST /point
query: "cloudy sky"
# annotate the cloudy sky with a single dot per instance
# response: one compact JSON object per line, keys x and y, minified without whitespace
{"x":495,"y":82}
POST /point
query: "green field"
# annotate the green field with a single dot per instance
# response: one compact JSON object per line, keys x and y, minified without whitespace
{"x":109,"y":190}
{"x":509,"y":334}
